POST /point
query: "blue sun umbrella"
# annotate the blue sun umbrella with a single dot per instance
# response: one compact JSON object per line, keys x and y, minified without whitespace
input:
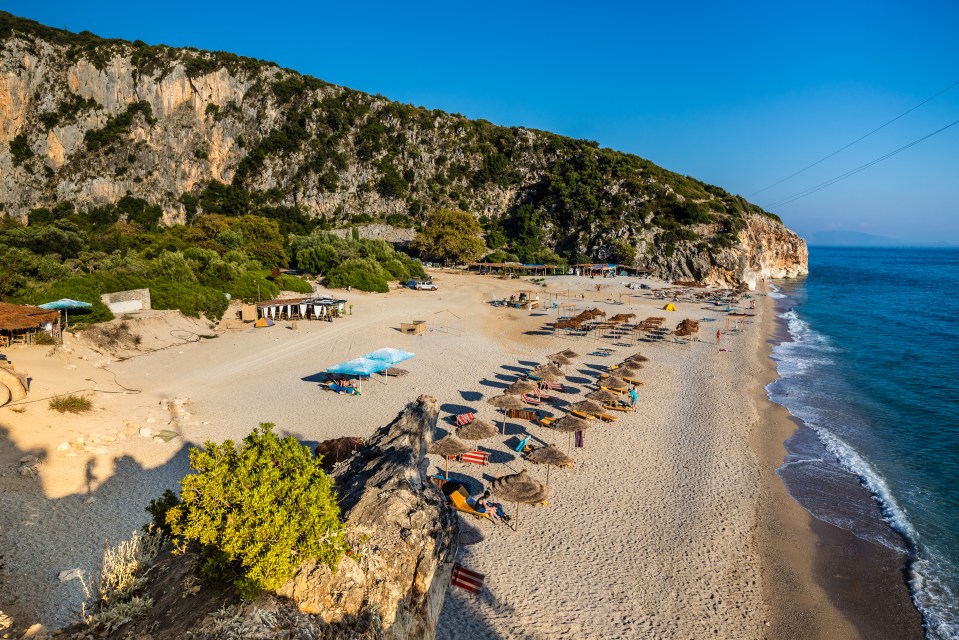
{"x":65,"y":304}
{"x":390,"y":356}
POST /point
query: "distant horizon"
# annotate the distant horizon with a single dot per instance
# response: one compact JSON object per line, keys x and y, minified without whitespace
{"x":722,"y":115}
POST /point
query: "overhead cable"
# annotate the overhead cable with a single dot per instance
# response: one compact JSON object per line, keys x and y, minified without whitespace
{"x":843,"y":148}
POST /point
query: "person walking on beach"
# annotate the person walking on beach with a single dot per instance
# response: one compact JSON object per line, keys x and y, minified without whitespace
{"x":633,"y":397}
{"x":719,"y":335}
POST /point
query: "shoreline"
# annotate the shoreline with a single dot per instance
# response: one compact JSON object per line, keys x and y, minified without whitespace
{"x":823,"y":581}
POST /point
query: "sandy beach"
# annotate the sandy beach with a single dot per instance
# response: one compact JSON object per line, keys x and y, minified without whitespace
{"x":672,"y":524}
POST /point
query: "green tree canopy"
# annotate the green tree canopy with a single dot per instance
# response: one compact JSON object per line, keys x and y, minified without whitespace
{"x":451,"y":236}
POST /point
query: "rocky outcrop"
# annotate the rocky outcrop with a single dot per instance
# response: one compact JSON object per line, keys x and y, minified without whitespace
{"x":390,"y":586}
{"x":403,"y":531}
{"x":766,"y":249}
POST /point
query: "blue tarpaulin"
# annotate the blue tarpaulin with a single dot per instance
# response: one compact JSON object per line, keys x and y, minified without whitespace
{"x":359,"y":367}
{"x":389,"y":355}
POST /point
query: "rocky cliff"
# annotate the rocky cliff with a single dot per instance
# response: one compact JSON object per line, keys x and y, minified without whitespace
{"x":85,"y":121}
{"x":391,"y":585}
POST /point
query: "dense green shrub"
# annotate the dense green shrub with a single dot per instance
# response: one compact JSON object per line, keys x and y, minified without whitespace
{"x":257,"y":511}
{"x":451,"y":236}
{"x":116,"y":126}
{"x":20,"y":149}
{"x":286,"y":282}
{"x":361,"y":273}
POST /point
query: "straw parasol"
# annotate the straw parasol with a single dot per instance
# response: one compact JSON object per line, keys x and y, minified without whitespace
{"x":603,"y":396}
{"x":549,"y":370}
{"x":622,"y":317}
{"x":519,"y":488}
{"x":587,"y":406}
{"x":569,"y":353}
{"x":626,"y":372}
{"x":568,"y":424}
{"x":614,"y":382}
{"x":568,"y":324}
{"x":597,"y":312}
{"x":447,"y":447}
{"x":638,"y":357}
{"x":470,"y":533}
{"x":522,"y":386}
{"x":551,"y":457}
{"x":477,"y":430}
{"x":504,"y":402}
{"x":560,"y":359}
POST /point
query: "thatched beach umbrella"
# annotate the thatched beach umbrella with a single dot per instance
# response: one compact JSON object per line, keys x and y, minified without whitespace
{"x":614,"y":382}
{"x":519,"y":488}
{"x":551,"y":457}
{"x":522,"y":386}
{"x":548,"y":371}
{"x":588,"y":407}
{"x":569,"y":353}
{"x":569,"y":424}
{"x":470,"y":533}
{"x":447,"y":447}
{"x":572,"y":323}
{"x":477,"y":430}
{"x":560,"y":359}
{"x":597,"y":312}
{"x":622,"y":317}
{"x":638,"y":357}
{"x":626,"y":372}
{"x":504,"y":402}
{"x":603,"y":395}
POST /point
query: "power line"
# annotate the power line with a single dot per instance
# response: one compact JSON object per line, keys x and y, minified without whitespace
{"x":882,"y":126}
{"x":852,"y":172}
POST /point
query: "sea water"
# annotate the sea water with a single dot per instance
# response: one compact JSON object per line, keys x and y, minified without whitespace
{"x":871,"y":366}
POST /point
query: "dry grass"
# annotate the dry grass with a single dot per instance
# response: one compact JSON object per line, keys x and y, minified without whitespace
{"x":108,"y":336}
{"x":71,"y":404}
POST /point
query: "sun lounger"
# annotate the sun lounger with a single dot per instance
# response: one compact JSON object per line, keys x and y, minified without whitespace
{"x":530,"y":376}
{"x":600,"y":354}
{"x":546,"y":421}
{"x":605,"y":417}
{"x":619,"y":391}
{"x":475,"y":457}
{"x":584,"y":416}
{"x":552,"y":386}
{"x":338,"y":388}
{"x":523,"y":414}
{"x":458,"y":496}
{"x":545,"y":398}
{"x":533,"y":401}
{"x":633,"y":380}
{"x":617,"y":407}
{"x":464,"y":419}
{"x":522,"y":444}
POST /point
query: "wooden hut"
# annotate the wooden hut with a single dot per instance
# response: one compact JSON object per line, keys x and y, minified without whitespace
{"x":20,"y":323}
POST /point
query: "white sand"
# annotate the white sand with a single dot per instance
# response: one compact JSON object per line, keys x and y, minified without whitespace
{"x":652,"y":535}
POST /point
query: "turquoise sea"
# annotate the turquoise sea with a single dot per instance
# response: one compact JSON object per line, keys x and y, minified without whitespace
{"x":871,"y":365}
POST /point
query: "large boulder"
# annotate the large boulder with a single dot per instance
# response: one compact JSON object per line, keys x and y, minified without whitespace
{"x":403,"y":535}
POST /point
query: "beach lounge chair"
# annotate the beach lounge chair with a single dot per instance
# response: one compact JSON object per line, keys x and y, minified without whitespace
{"x":584,"y":416}
{"x":605,"y":417}
{"x":545,"y":421}
{"x":552,"y":386}
{"x":600,"y":354}
{"x":522,"y":444}
{"x":458,"y":496}
{"x":530,"y":376}
{"x":633,"y":380}
{"x":523,"y":414}
{"x":544,"y":398}
{"x":618,"y":407}
{"x":475,"y":457}
{"x":530,"y":400}
{"x":464,"y":419}
{"x":619,"y":391}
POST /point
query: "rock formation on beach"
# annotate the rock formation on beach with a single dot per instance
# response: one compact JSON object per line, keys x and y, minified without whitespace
{"x":85,"y":121}
{"x":390,"y":586}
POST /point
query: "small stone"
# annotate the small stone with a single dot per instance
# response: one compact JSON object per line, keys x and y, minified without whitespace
{"x":145,"y":432}
{"x":99,"y":451}
{"x":70,"y":574}
{"x":151,"y":420}
{"x":63,"y":446}
{"x":166,"y":435}
{"x":90,"y":500}
{"x":30,"y":460}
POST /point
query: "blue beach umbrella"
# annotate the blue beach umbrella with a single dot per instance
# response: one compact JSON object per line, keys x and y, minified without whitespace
{"x":389,"y":355}
{"x":65,"y":304}
{"x":359,"y":367}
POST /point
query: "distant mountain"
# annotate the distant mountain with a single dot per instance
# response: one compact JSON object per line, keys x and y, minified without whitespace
{"x":851,"y":239}
{"x":87,"y":121}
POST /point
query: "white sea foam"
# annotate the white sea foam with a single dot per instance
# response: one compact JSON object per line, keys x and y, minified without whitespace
{"x":806,"y":349}
{"x":774,"y":292}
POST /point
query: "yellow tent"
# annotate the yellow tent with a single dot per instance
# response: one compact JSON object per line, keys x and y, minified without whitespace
{"x":263,"y":322}
{"x":669,"y":307}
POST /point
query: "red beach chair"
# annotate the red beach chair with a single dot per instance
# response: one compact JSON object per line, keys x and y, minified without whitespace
{"x":476,"y":457}
{"x":464,"y":419}
{"x":529,"y":400}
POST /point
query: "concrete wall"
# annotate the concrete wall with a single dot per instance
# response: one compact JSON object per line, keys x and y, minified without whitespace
{"x":127,"y":301}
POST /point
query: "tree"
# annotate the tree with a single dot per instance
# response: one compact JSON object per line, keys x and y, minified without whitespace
{"x":258,"y":511}
{"x":450,"y":236}
{"x":622,"y":252}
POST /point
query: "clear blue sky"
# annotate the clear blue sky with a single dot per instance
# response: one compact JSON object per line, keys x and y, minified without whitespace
{"x":736,"y":94}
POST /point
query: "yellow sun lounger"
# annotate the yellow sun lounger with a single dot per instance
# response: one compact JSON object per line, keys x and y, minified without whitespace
{"x":458,"y":496}
{"x":617,"y":407}
{"x":633,"y":380}
{"x":580,"y":414}
{"x":546,"y":421}
{"x":605,"y":417}
{"x":619,"y":391}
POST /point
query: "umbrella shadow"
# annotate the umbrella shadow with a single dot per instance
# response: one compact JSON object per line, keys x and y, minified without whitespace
{"x":510,"y":367}
{"x":593,"y":368}
{"x":505,"y":377}
{"x":457,"y":409}
{"x":528,"y":363}
{"x":499,"y":457}
{"x":322,"y":376}
{"x":471,"y":396}
{"x":491,"y":383}
{"x":541,"y":332}
{"x":579,"y":380}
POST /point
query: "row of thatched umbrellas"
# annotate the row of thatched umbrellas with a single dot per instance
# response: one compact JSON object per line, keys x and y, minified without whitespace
{"x":520,"y":488}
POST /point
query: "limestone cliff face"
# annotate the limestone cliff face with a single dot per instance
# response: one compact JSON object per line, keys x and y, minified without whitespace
{"x":86,"y":121}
